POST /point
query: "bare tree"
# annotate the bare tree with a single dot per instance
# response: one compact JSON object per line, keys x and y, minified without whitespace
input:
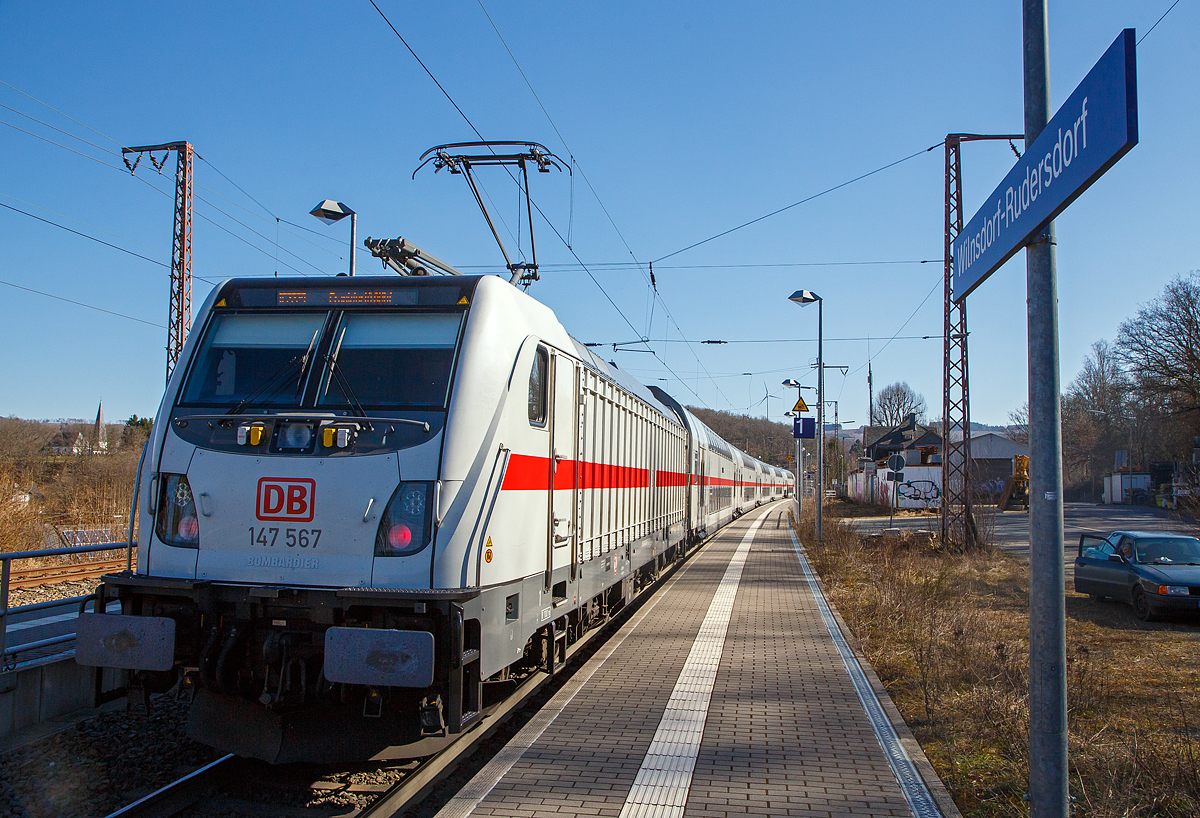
{"x":1018,"y":425}
{"x":1161,"y":344}
{"x":896,"y":402}
{"x":23,"y":439}
{"x":1102,"y":384}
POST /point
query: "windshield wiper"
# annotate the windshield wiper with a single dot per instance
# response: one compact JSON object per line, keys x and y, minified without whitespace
{"x":343,"y":382}
{"x":269,"y":386}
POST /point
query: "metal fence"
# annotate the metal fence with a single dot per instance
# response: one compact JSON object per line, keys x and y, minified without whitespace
{"x":9,"y":656}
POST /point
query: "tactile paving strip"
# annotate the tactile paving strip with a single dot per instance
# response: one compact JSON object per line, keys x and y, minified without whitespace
{"x":465,"y":801}
{"x":661,"y":787}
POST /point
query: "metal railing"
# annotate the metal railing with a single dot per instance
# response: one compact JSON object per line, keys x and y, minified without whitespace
{"x":8,"y":658}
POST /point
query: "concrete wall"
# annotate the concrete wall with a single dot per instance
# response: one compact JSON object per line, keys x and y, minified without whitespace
{"x":38,"y":693}
{"x":921,"y":488}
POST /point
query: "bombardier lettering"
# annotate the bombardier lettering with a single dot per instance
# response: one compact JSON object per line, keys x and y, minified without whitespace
{"x":283,"y":562}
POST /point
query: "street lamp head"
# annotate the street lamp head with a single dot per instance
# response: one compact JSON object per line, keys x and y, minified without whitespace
{"x":792,"y":382}
{"x":330,"y":211}
{"x":789,"y":414}
{"x":804,"y":297}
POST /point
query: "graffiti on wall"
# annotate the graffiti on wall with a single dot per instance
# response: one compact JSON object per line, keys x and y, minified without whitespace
{"x":925,"y":491}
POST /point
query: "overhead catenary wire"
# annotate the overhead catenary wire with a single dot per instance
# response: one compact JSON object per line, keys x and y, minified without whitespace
{"x":535,"y":205}
{"x":936,"y":337}
{"x":1156,"y":22}
{"x":625,"y":265}
{"x":82,"y":304}
{"x":939,"y":283}
{"x":806,"y":199}
{"x":163,"y":192}
{"x":124,"y":171}
{"x":98,"y":241}
{"x":60,"y":113}
{"x":53,"y":128}
{"x":655,"y":295}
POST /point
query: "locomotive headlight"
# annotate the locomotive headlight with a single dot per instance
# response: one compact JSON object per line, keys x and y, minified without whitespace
{"x":176,"y":523}
{"x":295,"y":436}
{"x":407,"y":524}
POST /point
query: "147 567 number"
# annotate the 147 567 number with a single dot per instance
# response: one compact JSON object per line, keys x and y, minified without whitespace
{"x":292,"y":537}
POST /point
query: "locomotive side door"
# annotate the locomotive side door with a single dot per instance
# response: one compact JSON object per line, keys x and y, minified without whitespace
{"x":565,"y":477}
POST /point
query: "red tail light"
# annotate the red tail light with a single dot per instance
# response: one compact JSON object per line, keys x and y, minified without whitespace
{"x":177,"y":523}
{"x":399,"y":536}
{"x":407,"y":524}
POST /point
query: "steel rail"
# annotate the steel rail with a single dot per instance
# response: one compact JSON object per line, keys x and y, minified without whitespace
{"x":45,"y":575}
{"x":178,"y":795}
{"x":415,"y":787}
{"x":181,"y":794}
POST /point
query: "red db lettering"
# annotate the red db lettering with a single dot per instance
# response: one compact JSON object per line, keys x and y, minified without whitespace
{"x":297,"y":500}
{"x":289,"y":499}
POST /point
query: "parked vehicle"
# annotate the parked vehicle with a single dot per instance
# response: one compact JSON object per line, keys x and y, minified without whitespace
{"x":1154,"y":572}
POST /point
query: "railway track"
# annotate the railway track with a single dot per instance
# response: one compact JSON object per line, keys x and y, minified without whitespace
{"x":416,"y":781}
{"x":46,"y":575}
{"x":221,"y":780}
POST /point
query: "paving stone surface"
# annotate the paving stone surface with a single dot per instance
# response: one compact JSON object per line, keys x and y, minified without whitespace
{"x":785,"y":735}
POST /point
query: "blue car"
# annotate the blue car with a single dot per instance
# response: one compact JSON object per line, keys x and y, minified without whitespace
{"x":1155,"y":573}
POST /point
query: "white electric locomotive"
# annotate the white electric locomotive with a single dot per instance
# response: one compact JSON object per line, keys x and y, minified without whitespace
{"x":365,"y":498}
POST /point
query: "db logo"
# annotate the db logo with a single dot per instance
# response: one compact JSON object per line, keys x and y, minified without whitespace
{"x":289,"y":499}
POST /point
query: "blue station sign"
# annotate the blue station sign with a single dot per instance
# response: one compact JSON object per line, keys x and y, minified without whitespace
{"x":1095,"y":127}
{"x":804,"y":428}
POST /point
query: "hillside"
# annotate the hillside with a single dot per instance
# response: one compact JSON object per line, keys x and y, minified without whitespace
{"x":768,"y":441}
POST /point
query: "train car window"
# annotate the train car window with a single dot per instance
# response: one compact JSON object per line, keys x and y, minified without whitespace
{"x":391,"y":360}
{"x":537,"y":387}
{"x":257,"y":356}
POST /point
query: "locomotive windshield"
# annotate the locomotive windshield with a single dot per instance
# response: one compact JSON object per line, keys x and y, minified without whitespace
{"x":253,"y":357}
{"x":278,"y":360}
{"x":391,"y":359}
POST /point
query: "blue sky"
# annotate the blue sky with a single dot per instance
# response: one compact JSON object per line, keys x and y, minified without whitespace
{"x":687,"y":119}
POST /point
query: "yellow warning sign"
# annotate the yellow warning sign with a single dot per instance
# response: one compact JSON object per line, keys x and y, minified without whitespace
{"x":800,"y":406}
{"x":489,"y":542}
{"x":463,"y":300}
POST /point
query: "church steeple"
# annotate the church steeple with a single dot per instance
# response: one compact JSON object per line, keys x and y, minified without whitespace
{"x":100,"y":432}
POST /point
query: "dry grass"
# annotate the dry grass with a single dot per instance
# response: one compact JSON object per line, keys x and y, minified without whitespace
{"x":949,"y":637}
{"x":88,"y":492}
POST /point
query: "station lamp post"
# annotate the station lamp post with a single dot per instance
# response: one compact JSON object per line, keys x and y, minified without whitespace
{"x":804,"y":298}
{"x":796,"y":469}
{"x":329,"y":212}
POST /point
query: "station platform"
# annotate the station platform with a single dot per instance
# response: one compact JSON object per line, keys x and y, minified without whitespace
{"x":731,"y":691}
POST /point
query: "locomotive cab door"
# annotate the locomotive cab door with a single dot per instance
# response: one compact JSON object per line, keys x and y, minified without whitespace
{"x":565,"y":477}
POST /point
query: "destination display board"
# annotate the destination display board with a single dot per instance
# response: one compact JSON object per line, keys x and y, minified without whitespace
{"x":1095,"y":127}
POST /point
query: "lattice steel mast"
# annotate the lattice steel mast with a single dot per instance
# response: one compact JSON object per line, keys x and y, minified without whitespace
{"x":958,"y":522}
{"x":179,"y":319}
